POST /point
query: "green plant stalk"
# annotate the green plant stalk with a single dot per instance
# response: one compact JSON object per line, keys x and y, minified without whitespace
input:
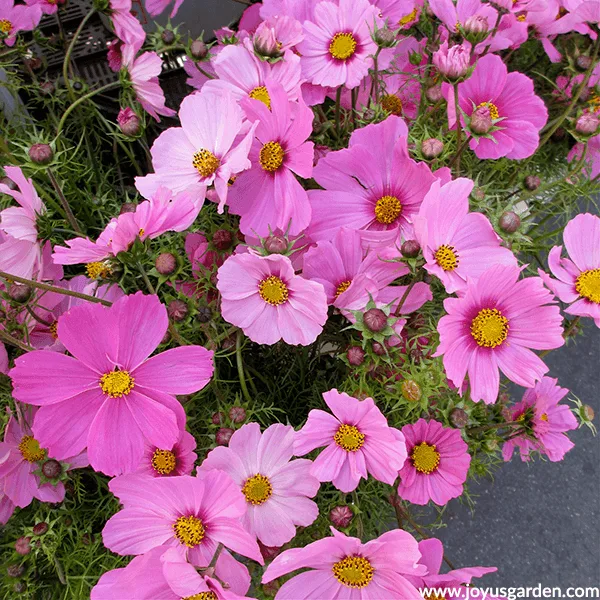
{"x":240,"y":366}
{"x":67,"y":60}
{"x":9,"y":339}
{"x":456,"y":158}
{"x":65,"y":204}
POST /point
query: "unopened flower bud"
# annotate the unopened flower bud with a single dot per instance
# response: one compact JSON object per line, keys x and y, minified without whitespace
{"x":228,"y":343}
{"x":459,"y":418}
{"x":268,"y":552}
{"x":168,"y":36}
{"x":87,"y":539}
{"x":223,"y":436}
{"x":587,"y":124}
{"x":204,"y":314}
{"x":375,"y":319}
{"x":77,"y":86}
{"x":52,"y":469}
{"x":411,"y":390}
{"x":15,"y":570}
{"x":47,"y":88}
{"x":341,"y":516}
{"x":177,"y":310}
{"x":385,"y":37}
{"x":237,"y":414}
{"x":127,"y":207}
{"x":265,"y":41}
{"x":583,"y":62}
{"x":587,"y":412}
{"x":276,"y":244}
{"x":199,"y":50}
{"x":23,"y":546}
{"x":410,"y":249}
{"x":481,"y":120}
{"x":166,"y":263}
{"x":559,"y":135}
{"x":453,"y":63}
{"x":434,"y":93}
{"x":415,"y":58}
{"x":532,"y":182}
{"x":40,"y":528}
{"x":9,"y":183}
{"x":218,"y":418}
{"x":222,"y":239}
{"x":509,"y":222}
{"x":41,"y":154}
{"x":378,"y":349}
{"x":19,"y":587}
{"x":356,"y":356}
{"x":478,"y":193}
{"x":129,"y":122}
{"x":476,"y":29}
{"x":432,"y":148}
{"x":19,"y":292}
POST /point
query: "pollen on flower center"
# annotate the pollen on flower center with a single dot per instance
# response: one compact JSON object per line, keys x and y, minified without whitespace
{"x":205,"y":162}
{"x":30,"y":449}
{"x":273,"y":291}
{"x":342,"y":287}
{"x":387,"y":209}
{"x":98,"y":270}
{"x":489,"y":328}
{"x":594,"y":103}
{"x":409,"y":18}
{"x":492,"y":108}
{"x":353,"y":571}
{"x":163,"y":461}
{"x":349,"y":438}
{"x":425,"y":458}
{"x":342,"y":46}
{"x":202,"y":596}
{"x":446,"y":257}
{"x":392,"y":104}
{"x":5,"y":25}
{"x":587,"y":285}
{"x":117,"y":384}
{"x":54,"y":330}
{"x":434,"y":596}
{"x":271,"y":156}
{"x":544,"y":417}
{"x":189,"y":531}
{"x":261,"y":93}
{"x":257,"y":489}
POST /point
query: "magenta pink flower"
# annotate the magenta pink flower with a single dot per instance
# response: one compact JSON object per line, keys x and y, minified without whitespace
{"x":176,"y":460}
{"x":591,"y":159}
{"x":3,"y":359}
{"x":437,"y":465}
{"x":269,"y":302}
{"x":358,"y":442}
{"x":21,"y":459}
{"x":344,"y":567}
{"x":371,"y":185}
{"x":114,"y":56}
{"x":109,"y":396}
{"x":452,"y":14}
{"x":277,"y":34}
{"x":454,"y":62}
{"x":268,"y":196}
{"x":578,"y":278}
{"x":15,"y":18}
{"x":191,"y":514}
{"x":7,"y":507}
{"x":206,"y":150}
{"x":127,"y":28}
{"x":548,"y":420}
{"x":155,"y":7}
{"x":493,"y":327}
{"x":457,"y":244}
{"x":337,"y":48}
{"x":48,"y":7}
{"x":276,"y":488}
{"x":399,"y":13}
{"x":508,"y":96}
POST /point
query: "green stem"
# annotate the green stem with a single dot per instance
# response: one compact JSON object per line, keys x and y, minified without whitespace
{"x":338,"y":101}
{"x":494,"y":426}
{"x":456,"y":158}
{"x":67,"y":60}
{"x":65,"y":204}
{"x":240,"y":366}
{"x":9,"y":339}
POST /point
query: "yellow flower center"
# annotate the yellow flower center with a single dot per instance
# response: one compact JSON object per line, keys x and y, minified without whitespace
{"x":387,"y":209}
{"x":261,"y":93}
{"x":392,"y":104}
{"x":30,"y":449}
{"x":257,"y":489}
{"x":342,"y":287}
{"x":492,"y":108}
{"x":544,"y":417}
{"x":349,"y":438}
{"x":446,"y":257}
{"x":54,"y":330}
{"x":273,"y":291}
{"x":98,"y":270}
{"x":202,"y":596}
{"x":353,"y":571}
{"x":271,"y":156}
{"x":117,"y":384}
{"x":163,"y":461}
{"x":409,"y":18}
{"x":588,"y":285}
{"x":594,"y":103}
{"x":434,"y":596}
{"x":342,"y":46}
{"x":5,"y":25}
{"x":521,"y":18}
{"x":205,"y":162}
{"x":189,"y":531}
{"x":425,"y":458}
{"x":489,"y":328}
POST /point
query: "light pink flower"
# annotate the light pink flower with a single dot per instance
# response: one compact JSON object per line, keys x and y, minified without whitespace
{"x":592,"y":158}
{"x":269,"y":302}
{"x":344,"y":567}
{"x":399,"y":13}
{"x":437,"y":465}
{"x":549,"y":421}
{"x":15,"y":18}
{"x":452,"y":14}
{"x":127,"y":28}
{"x":109,"y":396}
{"x":358,"y":442}
{"x":48,"y":7}
{"x":457,"y":244}
{"x":206,"y":150}
{"x":301,"y":10}
{"x":337,"y":48}
{"x":268,"y":196}
{"x":155,"y":7}
{"x":508,"y":96}
{"x":3,"y":359}
{"x":277,"y":34}
{"x":495,"y":326}
{"x":176,"y":460}
{"x":454,"y":62}
{"x":7,"y":507}
{"x":276,"y":488}
{"x":578,"y":278}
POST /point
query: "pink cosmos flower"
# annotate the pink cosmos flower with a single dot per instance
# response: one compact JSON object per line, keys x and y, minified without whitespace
{"x":15,"y":18}
{"x":457,"y":14}
{"x":399,"y":13}
{"x":269,"y":302}
{"x":493,"y":327}
{"x":592,"y":158}
{"x":371,"y":185}
{"x":578,"y":278}
{"x":143,"y":73}
{"x":191,"y":514}
{"x":127,"y":28}
{"x":48,"y":7}
{"x":268,"y":196}
{"x":7,"y":507}
{"x":205,"y":150}
{"x":276,"y":489}
{"x":109,"y":396}
{"x":176,"y":460}
{"x":508,"y":96}
{"x":3,"y":359}
{"x":21,"y":455}
{"x":114,"y":56}
{"x":457,"y":244}
{"x":277,"y":34}
{"x":358,"y":439}
{"x":301,"y":10}
{"x":549,"y":421}
{"x":250,"y":18}
{"x":454,"y":62}
{"x":344,"y":567}
{"x":437,"y":465}
{"x":155,"y":7}
{"x":159,"y":574}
